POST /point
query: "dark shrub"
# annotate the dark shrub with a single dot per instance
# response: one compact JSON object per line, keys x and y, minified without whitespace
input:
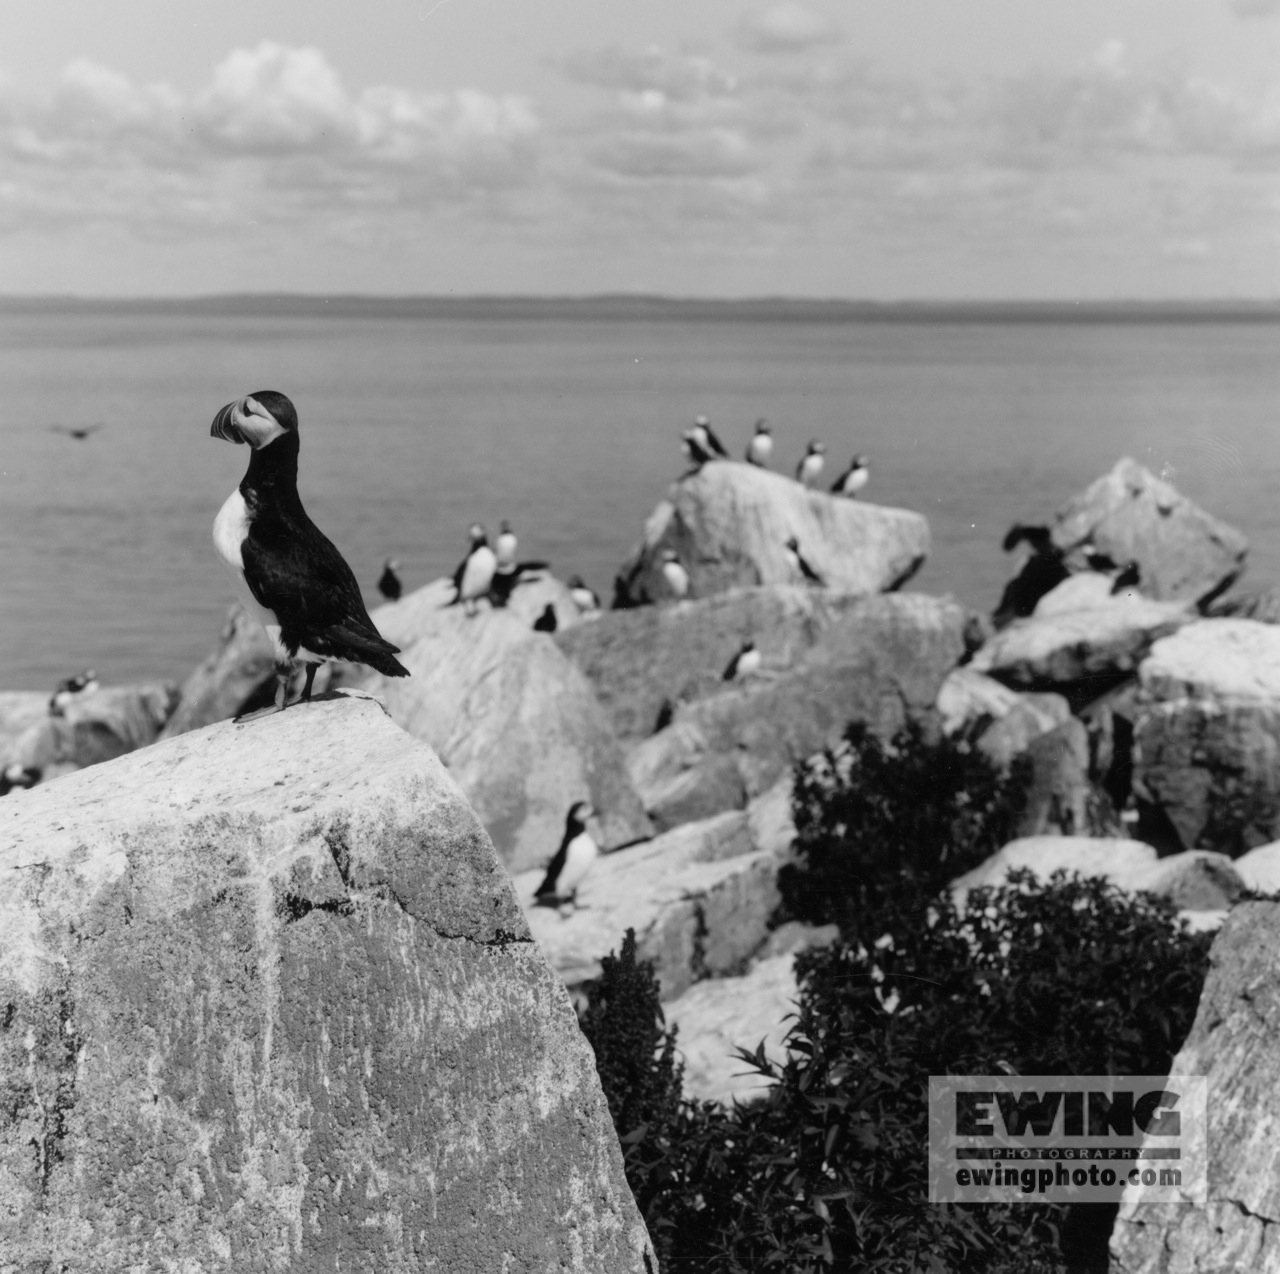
{"x":881,"y":822}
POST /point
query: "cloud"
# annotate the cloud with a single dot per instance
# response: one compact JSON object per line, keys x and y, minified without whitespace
{"x":273,"y":129}
{"x":786,"y":28}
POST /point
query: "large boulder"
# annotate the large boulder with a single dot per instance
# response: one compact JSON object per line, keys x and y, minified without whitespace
{"x":1235,"y":1044}
{"x":729,"y":524}
{"x":1207,"y":735}
{"x":1002,"y":722}
{"x":272,"y":1004}
{"x":1129,"y":515}
{"x":240,"y":670}
{"x":92,"y":728}
{"x":646,"y":660}
{"x":881,"y":660}
{"x":513,"y":718}
{"x":1082,"y":649}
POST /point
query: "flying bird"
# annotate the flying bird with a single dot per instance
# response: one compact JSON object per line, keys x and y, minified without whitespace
{"x":389,"y":582}
{"x":572,"y":860}
{"x":811,"y":463}
{"x":760,"y":448}
{"x":70,"y":689}
{"x":853,"y":479}
{"x":745,"y":663}
{"x":79,"y":432}
{"x":288,"y":573}
{"x":796,"y":560}
{"x":676,"y":577}
{"x":475,"y":572}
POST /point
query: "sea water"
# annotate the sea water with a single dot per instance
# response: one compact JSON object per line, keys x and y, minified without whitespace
{"x":420,"y":418}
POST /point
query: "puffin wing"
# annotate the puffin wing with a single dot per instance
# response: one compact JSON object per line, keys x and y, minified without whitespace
{"x":548,"y":887}
{"x":298,"y":574}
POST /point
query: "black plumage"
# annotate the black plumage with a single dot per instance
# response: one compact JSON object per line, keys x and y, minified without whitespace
{"x":389,"y":582}
{"x":289,"y":566}
{"x":547,"y":621}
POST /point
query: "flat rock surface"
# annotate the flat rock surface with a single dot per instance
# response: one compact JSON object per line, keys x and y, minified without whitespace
{"x":729,"y":523}
{"x":1235,"y":1044}
{"x":273,"y":1005}
{"x":1226,"y":658}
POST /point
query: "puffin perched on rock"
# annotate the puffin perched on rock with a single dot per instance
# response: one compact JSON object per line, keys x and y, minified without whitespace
{"x":811,"y":463}
{"x":760,"y":448}
{"x":853,"y":479}
{"x":289,"y":575}
{"x":70,"y":689}
{"x":572,"y":860}
{"x":475,"y":572}
{"x":389,"y":582}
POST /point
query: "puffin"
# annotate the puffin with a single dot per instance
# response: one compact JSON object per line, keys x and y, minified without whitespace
{"x":505,"y":546}
{"x":586,"y":599}
{"x":474,"y":575}
{"x":853,"y":479}
{"x":677,"y":578}
{"x":546,"y":622}
{"x":702,"y":444}
{"x":811,"y":463}
{"x":760,"y":448}
{"x":288,"y":573}
{"x":16,"y":776}
{"x":745,"y":663}
{"x":795,"y":559}
{"x":572,"y":860}
{"x":389,"y":582}
{"x":70,"y":689}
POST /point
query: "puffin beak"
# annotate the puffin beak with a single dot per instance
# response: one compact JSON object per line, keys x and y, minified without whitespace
{"x":224,"y":425}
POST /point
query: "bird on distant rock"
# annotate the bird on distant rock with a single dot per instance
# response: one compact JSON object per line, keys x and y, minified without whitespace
{"x":474,"y":576}
{"x":745,"y":663}
{"x":675,"y":575}
{"x":572,"y":860}
{"x":504,"y":547}
{"x":760,"y":448}
{"x":586,"y":599}
{"x":702,"y":444}
{"x":546,"y":622}
{"x":290,"y":576}
{"x":70,"y":689}
{"x":18,"y":776}
{"x":78,"y":432}
{"x":853,"y":479}
{"x":811,"y":463}
{"x":389,"y":582}
{"x":1042,"y":572}
{"x":796,"y":560}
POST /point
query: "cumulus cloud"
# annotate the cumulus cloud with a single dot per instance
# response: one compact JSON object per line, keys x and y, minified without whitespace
{"x":274,"y":126}
{"x":786,"y":28}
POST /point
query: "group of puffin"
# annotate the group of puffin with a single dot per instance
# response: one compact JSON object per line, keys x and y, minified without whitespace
{"x":701,"y":446}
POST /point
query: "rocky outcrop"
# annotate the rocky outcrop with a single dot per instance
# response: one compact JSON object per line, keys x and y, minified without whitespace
{"x":516,"y":722}
{"x":1235,"y":1044}
{"x":729,"y":524}
{"x":272,"y":1004}
{"x":699,"y":898}
{"x":91,"y":729}
{"x":881,"y":660}
{"x":1002,"y":722}
{"x":645,"y":661}
{"x":1084,"y":649}
{"x":1130,"y":515}
{"x":1207,"y":736}
{"x":1194,"y":881}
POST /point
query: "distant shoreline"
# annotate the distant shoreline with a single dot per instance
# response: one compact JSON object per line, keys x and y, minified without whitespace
{"x":656,"y":308}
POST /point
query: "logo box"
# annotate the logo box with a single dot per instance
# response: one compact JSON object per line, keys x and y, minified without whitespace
{"x":1067,"y":1139}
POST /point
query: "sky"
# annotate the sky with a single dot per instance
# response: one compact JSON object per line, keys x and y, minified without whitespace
{"x":861,"y":149}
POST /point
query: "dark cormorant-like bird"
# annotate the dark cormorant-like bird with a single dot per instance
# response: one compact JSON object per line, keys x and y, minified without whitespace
{"x":290,"y":576}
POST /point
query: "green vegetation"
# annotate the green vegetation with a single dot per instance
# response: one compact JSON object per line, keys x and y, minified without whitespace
{"x":828,"y":1173}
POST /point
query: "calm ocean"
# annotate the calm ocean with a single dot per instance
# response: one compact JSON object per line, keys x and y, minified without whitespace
{"x":420,"y":417}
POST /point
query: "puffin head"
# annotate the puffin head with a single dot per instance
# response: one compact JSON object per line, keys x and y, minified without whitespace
{"x":259,"y":419}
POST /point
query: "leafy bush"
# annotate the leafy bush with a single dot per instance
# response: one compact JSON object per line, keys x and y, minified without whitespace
{"x":877,"y":822}
{"x":828,"y":1173}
